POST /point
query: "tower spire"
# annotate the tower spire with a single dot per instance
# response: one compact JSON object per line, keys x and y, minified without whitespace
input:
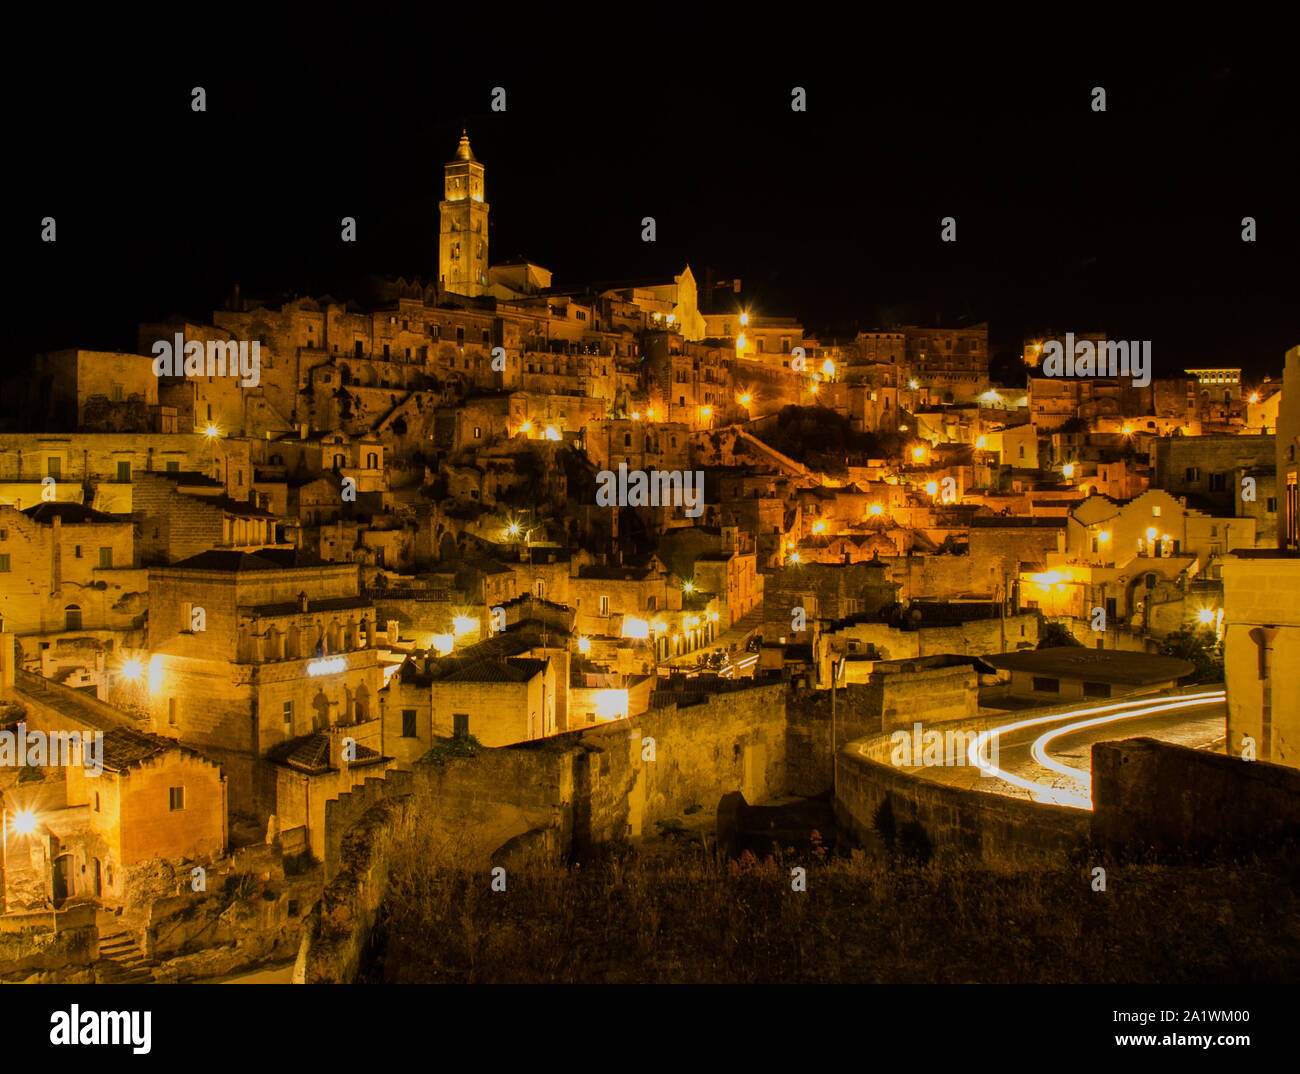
{"x":463,"y":151}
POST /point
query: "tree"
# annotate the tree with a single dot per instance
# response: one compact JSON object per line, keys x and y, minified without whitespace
{"x":1056,"y":635}
{"x":1199,"y":647}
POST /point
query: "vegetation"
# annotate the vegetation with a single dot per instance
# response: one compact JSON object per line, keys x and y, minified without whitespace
{"x":445,"y":748}
{"x":826,"y":441}
{"x":1053,"y":635}
{"x":682,"y":916}
{"x":1201,"y":648}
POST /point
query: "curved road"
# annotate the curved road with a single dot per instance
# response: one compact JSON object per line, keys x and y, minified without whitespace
{"x":1048,"y":758}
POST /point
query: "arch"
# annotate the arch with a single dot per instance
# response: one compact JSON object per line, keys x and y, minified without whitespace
{"x":320,"y":705}
{"x":72,"y":617}
{"x":63,"y":881}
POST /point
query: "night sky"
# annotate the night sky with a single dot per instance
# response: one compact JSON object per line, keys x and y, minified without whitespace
{"x":1126,"y":222}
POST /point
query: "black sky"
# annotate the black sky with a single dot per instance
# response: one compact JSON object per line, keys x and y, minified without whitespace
{"x":1126,"y":222}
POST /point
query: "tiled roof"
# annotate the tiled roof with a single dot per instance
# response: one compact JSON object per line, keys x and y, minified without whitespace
{"x":266,"y":559}
{"x":512,"y":669}
{"x":311,"y":754}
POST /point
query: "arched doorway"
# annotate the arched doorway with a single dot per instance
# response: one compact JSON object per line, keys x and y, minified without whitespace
{"x":62,"y":881}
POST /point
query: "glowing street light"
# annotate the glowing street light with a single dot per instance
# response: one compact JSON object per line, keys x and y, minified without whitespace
{"x":913,"y":385}
{"x":688,"y":587}
{"x":584,"y":645}
{"x":1152,"y":534}
{"x":814,"y":389}
{"x":526,"y":427}
{"x":795,"y":557}
{"x":982,"y":442}
{"x":932,"y":487}
{"x":211,"y":432}
{"x":24,"y":822}
{"x":1205,"y":616}
{"x":706,"y":412}
{"x":876,"y":509}
{"x":552,"y":433}
{"x":828,"y":368}
{"x":1128,"y":430}
{"x":1103,"y":536}
{"x":819,"y":527}
{"x":740,"y":342}
{"x":132,"y":670}
{"x":918,"y":453}
{"x":744,"y":399}
{"x":1068,"y":469}
{"x":1254,"y":397}
{"x":513,"y":530}
{"x":636,"y":415}
{"x":744,"y":318}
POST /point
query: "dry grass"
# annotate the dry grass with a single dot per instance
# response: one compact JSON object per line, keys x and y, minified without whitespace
{"x":686,"y":918}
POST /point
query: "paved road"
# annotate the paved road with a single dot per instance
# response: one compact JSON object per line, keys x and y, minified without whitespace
{"x":1048,"y":759}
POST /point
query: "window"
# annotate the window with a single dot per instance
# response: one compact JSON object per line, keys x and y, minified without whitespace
{"x":4,"y":563}
{"x":460,"y":724}
{"x":1155,"y":511}
{"x":288,"y":715}
{"x":53,"y":467}
{"x":1096,"y":689}
{"x":175,"y":798}
{"x":1192,"y":474}
{"x":385,"y":351}
{"x":96,"y":805}
{"x":357,"y":348}
{"x":72,"y":617}
{"x":1270,"y":505}
{"x":1046,"y":686}
{"x":105,"y":557}
{"x":1218,"y":482}
{"x":604,"y":605}
{"x":478,"y":433}
{"x":540,"y":589}
{"x":173,"y":467}
{"x":124,"y":470}
{"x":408,"y":723}
{"x":460,"y":336}
{"x":171,"y":711}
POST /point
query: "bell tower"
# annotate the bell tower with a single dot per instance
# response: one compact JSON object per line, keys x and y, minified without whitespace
{"x":463,"y":224}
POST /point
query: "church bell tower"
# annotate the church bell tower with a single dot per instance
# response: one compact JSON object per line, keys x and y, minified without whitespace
{"x":463,"y":225}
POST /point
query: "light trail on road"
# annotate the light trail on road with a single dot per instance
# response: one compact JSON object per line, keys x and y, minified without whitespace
{"x":1104,"y":714}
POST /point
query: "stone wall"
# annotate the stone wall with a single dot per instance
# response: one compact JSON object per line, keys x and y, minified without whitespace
{"x":32,"y":951}
{"x":875,"y":800}
{"x":1157,"y":797}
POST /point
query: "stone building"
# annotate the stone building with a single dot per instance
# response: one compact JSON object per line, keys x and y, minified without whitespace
{"x":250,"y":650}
{"x":463,"y":224}
{"x":1261,"y":617}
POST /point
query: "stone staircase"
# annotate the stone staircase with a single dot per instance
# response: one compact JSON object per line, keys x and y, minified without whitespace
{"x":120,"y":960}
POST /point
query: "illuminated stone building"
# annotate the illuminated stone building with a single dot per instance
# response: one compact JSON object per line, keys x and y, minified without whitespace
{"x":69,"y":588}
{"x":463,"y":228}
{"x":1261,"y":618}
{"x":1288,"y":455}
{"x":248,"y":651}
